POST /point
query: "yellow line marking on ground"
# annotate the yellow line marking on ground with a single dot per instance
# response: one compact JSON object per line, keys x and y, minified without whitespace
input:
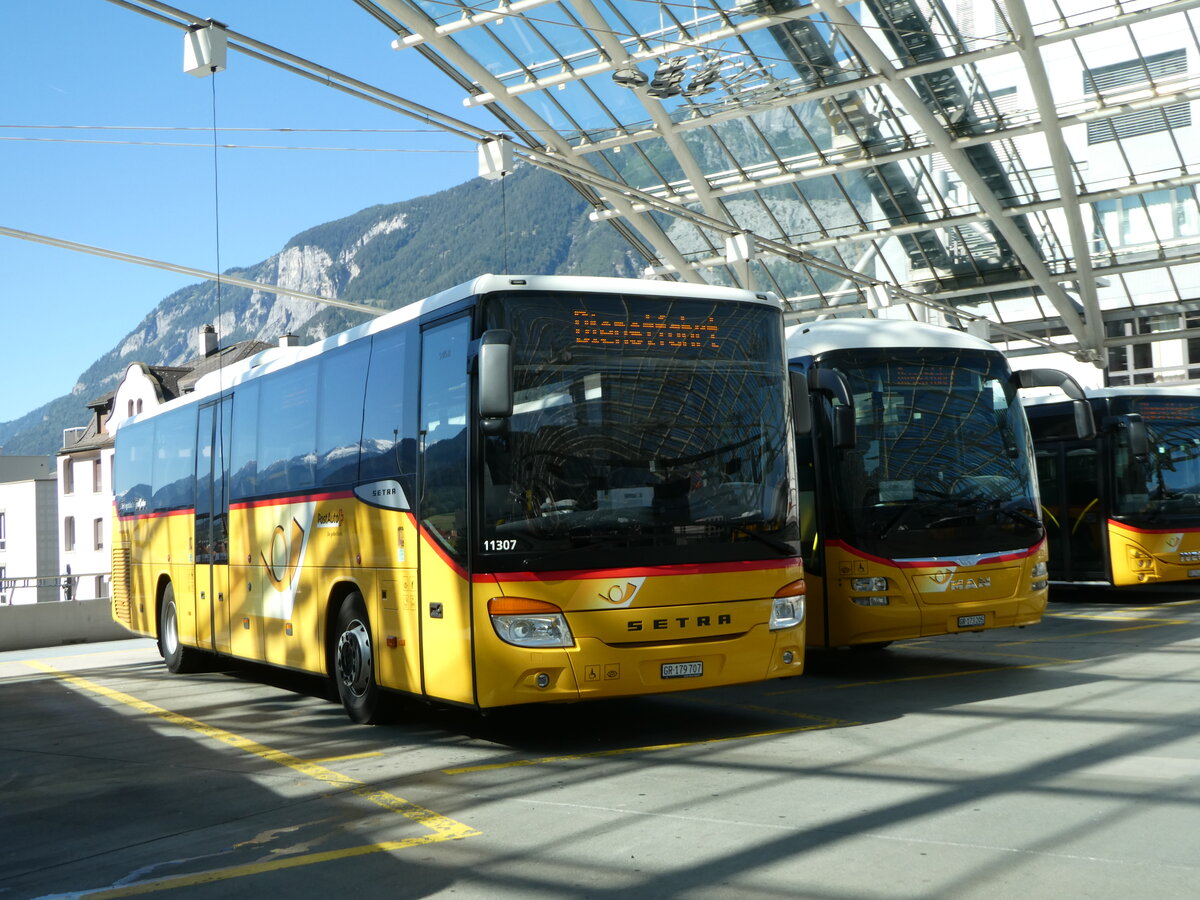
{"x":1119,"y":617}
{"x":329,"y":759}
{"x":443,"y":827}
{"x":1086,"y":634}
{"x":854,"y":684}
{"x":620,"y":751}
{"x":1006,"y":655}
{"x":212,"y":876}
{"x":770,"y":710}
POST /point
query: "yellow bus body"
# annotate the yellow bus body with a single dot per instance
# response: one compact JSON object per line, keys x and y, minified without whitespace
{"x":290,"y":561}
{"x":924,"y":598}
{"x":1142,"y":556}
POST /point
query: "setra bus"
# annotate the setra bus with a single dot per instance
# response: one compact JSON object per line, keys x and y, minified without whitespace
{"x":517,"y":490}
{"x":1123,"y":507}
{"x":920,"y":465}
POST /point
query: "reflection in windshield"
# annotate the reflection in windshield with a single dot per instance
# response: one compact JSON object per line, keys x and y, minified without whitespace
{"x":672,"y":443}
{"x":1166,"y":482}
{"x":941,"y":463}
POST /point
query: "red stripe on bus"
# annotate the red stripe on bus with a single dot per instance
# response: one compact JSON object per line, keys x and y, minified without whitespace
{"x":1116,"y":524}
{"x":936,"y":561}
{"x":644,"y":571}
{"x":299,"y":498}
{"x":190,"y":511}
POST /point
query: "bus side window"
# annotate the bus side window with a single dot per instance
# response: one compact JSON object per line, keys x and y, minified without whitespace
{"x":132,"y":459}
{"x":340,"y":414}
{"x":389,"y":427}
{"x":286,"y":429}
{"x":174,"y":479}
{"x":444,"y":422}
{"x":243,"y":465}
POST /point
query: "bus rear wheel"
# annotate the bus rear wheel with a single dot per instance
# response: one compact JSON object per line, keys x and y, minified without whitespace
{"x":354,"y":664}
{"x":178,"y":658}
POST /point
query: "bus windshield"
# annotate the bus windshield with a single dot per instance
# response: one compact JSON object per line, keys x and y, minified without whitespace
{"x":941,"y":465}
{"x":644,"y":430}
{"x":1165,"y":484}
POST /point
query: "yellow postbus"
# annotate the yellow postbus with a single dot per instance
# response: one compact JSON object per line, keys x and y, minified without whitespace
{"x":1123,"y":507}
{"x":517,"y":490}
{"x":920,"y":464}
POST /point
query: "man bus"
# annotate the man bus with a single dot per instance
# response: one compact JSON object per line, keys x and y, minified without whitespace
{"x":1122,"y":508}
{"x":517,"y":490}
{"x":921,"y":468}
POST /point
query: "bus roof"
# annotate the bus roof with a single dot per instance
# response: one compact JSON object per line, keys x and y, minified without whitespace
{"x":815,"y":338}
{"x":1132,"y":390}
{"x":1146,"y":390}
{"x":279,"y":357}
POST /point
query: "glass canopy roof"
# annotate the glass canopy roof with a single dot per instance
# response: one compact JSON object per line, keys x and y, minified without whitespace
{"x":1027,"y":170}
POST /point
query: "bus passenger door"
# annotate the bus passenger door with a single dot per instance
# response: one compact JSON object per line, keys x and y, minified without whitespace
{"x":212,"y":526}
{"x":447,"y":670}
{"x":1069,"y":481}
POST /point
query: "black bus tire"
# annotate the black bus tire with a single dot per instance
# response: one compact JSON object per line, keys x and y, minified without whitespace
{"x":354,"y":664}
{"x":179,"y":659}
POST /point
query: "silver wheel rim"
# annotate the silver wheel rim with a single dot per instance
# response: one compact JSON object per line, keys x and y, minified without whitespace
{"x":170,"y":629}
{"x":354,"y":658}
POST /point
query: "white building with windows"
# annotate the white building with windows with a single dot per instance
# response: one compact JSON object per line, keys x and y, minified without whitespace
{"x":28,"y":530}
{"x":85,"y":506}
{"x":85,"y":462}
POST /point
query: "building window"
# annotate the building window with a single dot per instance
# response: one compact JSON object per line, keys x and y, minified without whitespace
{"x":131,"y":407}
{"x":139,"y":405}
{"x":1108,"y":80}
{"x":3,"y":586}
{"x":3,"y":531}
{"x":1192,"y":324}
{"x":1146,"y":219}
{"x":68,"y":476}
{"x":69,"y":533}
{"x":101,"y":587}
{"x":97,"y":476}
{"x":98,"y":533}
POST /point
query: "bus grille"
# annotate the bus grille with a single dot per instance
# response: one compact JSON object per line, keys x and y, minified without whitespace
{"x":120,"y":585}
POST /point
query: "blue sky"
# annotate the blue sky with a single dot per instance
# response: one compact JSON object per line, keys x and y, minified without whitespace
{"x":93,"y":63}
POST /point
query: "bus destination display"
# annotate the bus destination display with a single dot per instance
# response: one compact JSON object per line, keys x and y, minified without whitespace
{"x":661,"y":331}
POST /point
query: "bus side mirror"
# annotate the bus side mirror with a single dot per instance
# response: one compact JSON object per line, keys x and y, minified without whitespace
{"x":1135,"y":433}
{"x":1085,"y":421}
{"x":845,"y":433}
{"x":801,"y":405}
{"x":495,"y":378}
{"x":832,"y":382}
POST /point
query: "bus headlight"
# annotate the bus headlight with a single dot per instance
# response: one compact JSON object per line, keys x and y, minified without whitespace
{"x":874,"y":585}
{"x":1038,"y":580}
{"x":529,"y":623}
{"x":787,"y":607}
{"x":1139,"y":559}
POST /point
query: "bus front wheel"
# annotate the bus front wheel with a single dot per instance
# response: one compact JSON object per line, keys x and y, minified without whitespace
{"x":177,"y":657}
{"x":354,"y":664}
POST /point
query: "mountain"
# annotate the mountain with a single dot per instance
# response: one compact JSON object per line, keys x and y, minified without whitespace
{"x":532,"y":222}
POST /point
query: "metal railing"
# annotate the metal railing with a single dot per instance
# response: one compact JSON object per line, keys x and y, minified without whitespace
{"x":67,"y":586}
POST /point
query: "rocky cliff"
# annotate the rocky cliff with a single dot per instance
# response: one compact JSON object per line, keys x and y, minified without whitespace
{"x":387,"y":256}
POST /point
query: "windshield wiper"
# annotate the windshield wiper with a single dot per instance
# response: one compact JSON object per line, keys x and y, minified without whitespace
{"x":1019,"y":516}
{"x":781,"y":547}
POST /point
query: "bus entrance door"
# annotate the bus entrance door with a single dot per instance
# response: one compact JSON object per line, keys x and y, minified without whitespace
{"x":1069,"y":479}
{"x":212,"y":526}
{"x":447,"y":668}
